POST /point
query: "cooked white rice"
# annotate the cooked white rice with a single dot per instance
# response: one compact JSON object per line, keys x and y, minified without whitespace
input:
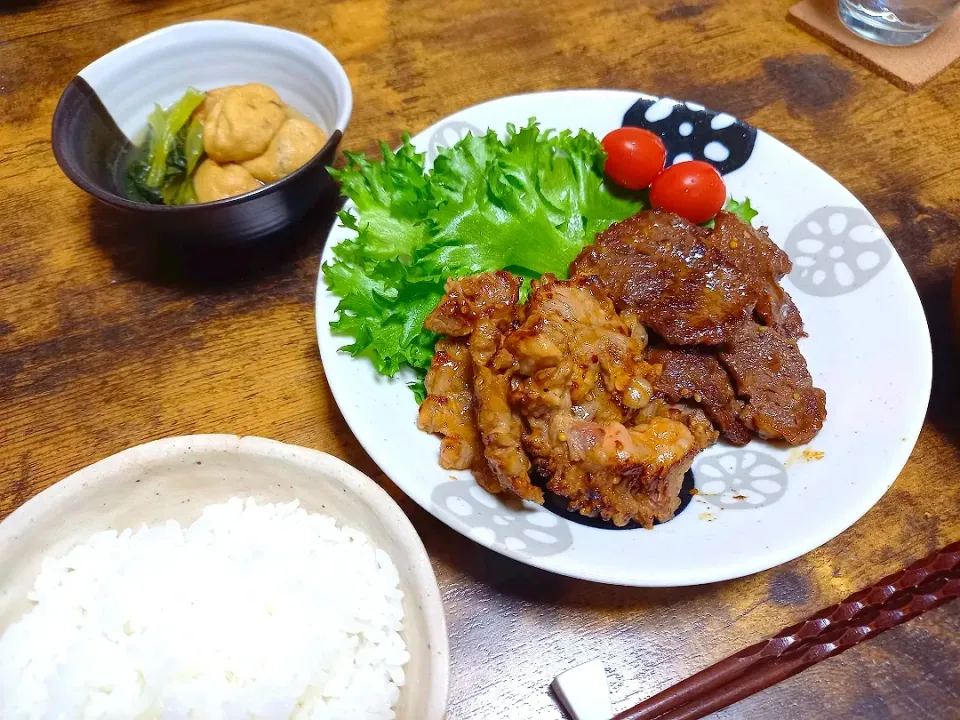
{"x":254,"y":611}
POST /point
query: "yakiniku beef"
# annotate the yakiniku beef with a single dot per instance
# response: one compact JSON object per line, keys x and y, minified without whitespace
{"x":584,"y":390}
{"x":689,"y":284}
{"x":714,"y":297}
{"x":751,"y":251}
{"x":772,"y":376}
{"x":695,"y":374}
{"x":566,"y":392}
{"x":660,"y":267}
{"x":449,"y":410}
{"x":562,"y":391}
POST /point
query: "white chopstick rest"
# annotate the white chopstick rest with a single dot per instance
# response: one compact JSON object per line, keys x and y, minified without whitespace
{"x":584,"y":692}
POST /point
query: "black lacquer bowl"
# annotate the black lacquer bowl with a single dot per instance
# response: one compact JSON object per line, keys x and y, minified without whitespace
{"x":105,"y":107}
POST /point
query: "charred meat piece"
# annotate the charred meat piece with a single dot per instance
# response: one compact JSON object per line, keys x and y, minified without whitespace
{"x":772,"y":377}
{"x":623,"y":474}
{"x":751,"y":251}
{"x":697,"y":422}
{"x":660,"y":267}
{"x":448,"y":407}
{"x":690,"y":284}
{"x":469,"y":299}
{"x":572,"y":333}
{"x":696,"y":375}
{"x":501,"y":427}
{"x":448,"y":410}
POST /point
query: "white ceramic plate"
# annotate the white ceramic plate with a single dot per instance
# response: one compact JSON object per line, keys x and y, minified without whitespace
{"x":868,"y":348}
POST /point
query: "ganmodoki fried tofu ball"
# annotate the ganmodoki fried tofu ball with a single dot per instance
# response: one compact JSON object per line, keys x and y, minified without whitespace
{"x":213,"y":181}
{"x":297,"y":141}
{"x":241,"y":125}
{"x":211,"y":98}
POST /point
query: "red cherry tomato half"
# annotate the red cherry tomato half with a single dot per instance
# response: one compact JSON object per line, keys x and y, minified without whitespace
{"x":634,"y":157}
{"x":693,"y":190}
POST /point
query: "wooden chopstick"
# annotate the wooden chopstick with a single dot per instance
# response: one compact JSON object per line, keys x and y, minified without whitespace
{"x":924,"y":585}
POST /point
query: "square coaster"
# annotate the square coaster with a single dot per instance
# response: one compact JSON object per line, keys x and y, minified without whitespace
{"x":906,"y":67}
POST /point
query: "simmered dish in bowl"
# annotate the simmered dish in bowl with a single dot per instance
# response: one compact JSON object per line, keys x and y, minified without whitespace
{"x":268,"y":77}
{"x":217,"y":144}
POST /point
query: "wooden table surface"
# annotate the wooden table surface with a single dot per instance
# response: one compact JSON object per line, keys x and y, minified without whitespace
{"x":107,"y":342}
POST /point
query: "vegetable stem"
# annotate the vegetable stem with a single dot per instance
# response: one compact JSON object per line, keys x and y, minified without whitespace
{"x":164,"y":127}
{"x":193,"y":145}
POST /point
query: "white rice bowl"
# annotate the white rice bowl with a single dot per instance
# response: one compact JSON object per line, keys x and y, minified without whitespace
{"x":175,"y":479}
{"x":253,"y":611}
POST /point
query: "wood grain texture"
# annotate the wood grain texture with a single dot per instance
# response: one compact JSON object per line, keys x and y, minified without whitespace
{"x":106,"y":342}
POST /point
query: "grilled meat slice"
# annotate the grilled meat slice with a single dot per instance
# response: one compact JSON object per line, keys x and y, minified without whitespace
{"x":697,"y":422}
{"x":584,"y":389}
{"x":689,"y":284}
{"x":449,"y":411}
{"x":659,"y":266}
{"x":469,"y":299}
{"x":484,"y":307}
{"x":624,"y":474}
{"x":501,"y":426}
{"x":771,"y":376}
{"x":751,"y":251}
{"x":696,"y":375}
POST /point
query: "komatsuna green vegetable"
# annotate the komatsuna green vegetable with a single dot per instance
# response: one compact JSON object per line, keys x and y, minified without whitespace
{"x":162,"y":168}
{"x":193,"y":144}
{"x":165,"y":127}
{"x":527,"y":203}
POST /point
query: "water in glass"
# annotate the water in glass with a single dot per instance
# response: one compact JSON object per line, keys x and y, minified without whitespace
{"x":895,"y":22}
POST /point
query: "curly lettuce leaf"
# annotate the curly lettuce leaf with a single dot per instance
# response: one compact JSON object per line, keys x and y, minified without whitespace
{"x":528,"y":202}
{"x":743,"y":210}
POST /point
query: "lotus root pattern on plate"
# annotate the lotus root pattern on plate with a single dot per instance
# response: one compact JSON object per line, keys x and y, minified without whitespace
{"x":836,"y":250}
{"x":448,"y":135}
{"x":740,"y":479}
{"x":691,"y":132}
{"x":489,"y":520}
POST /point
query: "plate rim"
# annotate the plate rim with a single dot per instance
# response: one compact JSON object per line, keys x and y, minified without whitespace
{"x":750,"y":565}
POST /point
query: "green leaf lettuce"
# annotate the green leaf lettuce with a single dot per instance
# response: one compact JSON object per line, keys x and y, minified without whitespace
{"x":742,"y":210}
{"x":528,"y":203}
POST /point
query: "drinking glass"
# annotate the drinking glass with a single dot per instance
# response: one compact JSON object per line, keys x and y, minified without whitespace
{"x":895,"y":22}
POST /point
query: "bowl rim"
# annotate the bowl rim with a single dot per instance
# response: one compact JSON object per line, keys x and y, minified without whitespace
{"x":19,"y":521}
{"x":344,"y":112}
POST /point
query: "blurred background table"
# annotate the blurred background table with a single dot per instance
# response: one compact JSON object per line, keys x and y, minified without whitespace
{"x":106,"y":342}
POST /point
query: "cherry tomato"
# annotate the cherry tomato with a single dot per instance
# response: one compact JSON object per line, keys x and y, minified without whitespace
{"x":693,"y":190}
{"x":634,"y":157}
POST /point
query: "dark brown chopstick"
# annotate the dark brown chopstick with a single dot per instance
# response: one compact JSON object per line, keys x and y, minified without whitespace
{"x":926,"y":584}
